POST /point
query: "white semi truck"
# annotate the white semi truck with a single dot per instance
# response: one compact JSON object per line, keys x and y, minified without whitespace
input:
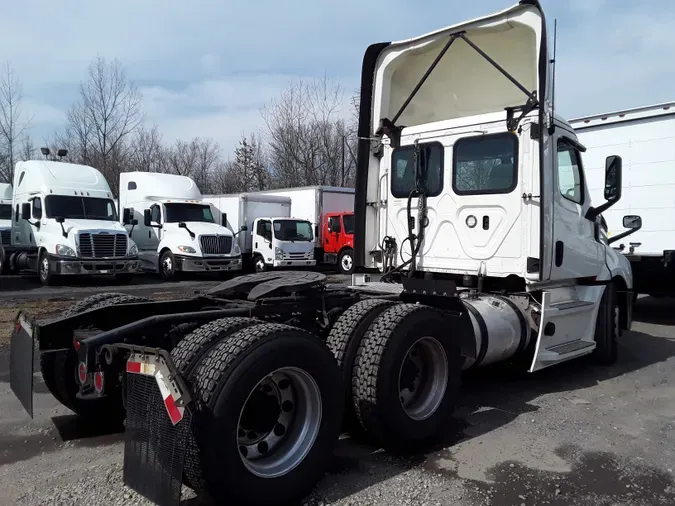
{"x":471,"y":207}
{"x":5,"y":214}
{"x":269,"y":237}
{"x":174,"y":228}
{"x":64,"y":223}
{"x":644,"y":137}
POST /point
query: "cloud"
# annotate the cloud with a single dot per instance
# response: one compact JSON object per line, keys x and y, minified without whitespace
{"x":207,"y":67}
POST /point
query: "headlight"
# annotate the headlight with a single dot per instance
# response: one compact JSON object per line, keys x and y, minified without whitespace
{"x":133,"y":251}
{"x":236,"y":250}
{"x":187,"y":249}
{"x":278,"y":254}
{"x":64,"y":251}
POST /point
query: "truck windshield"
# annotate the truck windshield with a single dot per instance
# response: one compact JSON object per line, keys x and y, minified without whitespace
{"x":86,"y":208}
{"x":348,"y":220}
{"x":293,"y":230}
{"x":175,"y":213}
{"x":5,"y":211}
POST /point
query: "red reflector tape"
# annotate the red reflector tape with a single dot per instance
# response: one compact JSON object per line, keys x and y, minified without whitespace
{"x":134,"y":367}
{"x":175,"y":413}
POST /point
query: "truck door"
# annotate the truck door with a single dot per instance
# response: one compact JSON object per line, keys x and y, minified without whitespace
{"x":332,"y":235}
{"x":154,"y":233}
{"x":576,"y":252}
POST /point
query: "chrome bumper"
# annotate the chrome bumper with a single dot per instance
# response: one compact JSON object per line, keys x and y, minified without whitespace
{"x":76,"y":266}
{"x":207,"y":264}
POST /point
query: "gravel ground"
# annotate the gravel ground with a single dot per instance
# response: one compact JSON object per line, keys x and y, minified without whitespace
{"x":573,"y":434}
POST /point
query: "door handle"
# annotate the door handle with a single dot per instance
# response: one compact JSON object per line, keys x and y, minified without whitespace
{"x":559,"y":251}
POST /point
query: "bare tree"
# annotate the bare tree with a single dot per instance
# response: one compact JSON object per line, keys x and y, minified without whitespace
{"x":107,"y":112}
{"x":249,"y":171}
{"x":146,"y":152}
{"x":309,"y":136}
{"x":206,"y":163}
{"x":13,"y":127}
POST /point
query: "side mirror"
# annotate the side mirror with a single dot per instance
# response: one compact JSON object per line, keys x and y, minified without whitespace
{"x":60,"y":219}
{"x":244,"y":228}
{"x":133,"y":222}
{"x":632,"y":222}
{"x":613,"y":169}
{"x":25,"y":211}
{"x":126,"y":215}
{"x":147,"y":218}
{"x":182,"y":224}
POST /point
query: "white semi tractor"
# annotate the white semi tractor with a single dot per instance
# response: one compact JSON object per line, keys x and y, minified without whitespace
{"x":644,"y":137}
{"x":174,"y":227}
{"x":268,"y":236}
{"x":5,"y":214}
{"x":470,"y":206}
{"x":64,"y":223}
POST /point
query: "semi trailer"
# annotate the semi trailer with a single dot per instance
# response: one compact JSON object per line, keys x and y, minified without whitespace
{"x":644,"y":138}
{"x":64,"y":223}
{"x":475,"y":240}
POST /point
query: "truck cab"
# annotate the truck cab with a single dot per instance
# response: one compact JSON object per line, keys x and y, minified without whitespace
{"x":5,"y":214}
{"x":338,"y":234}
{"x":475,"y":180}
{"x":64,"y":224}
{"x":282,"y":242}
{"x":174,"y":228}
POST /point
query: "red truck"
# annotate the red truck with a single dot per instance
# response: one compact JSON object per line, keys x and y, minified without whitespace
{"x":338,"y":240}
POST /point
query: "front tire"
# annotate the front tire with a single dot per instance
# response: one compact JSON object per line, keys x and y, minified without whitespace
{"x":272,"y":407}
{"x":47,"y":276}
{"x":259,"y":264}
{"x":346,"y":261}
{"x":607,"y":327}
{"x":167,"y":266}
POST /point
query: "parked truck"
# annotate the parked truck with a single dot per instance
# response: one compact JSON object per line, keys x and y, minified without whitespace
{"x":644,"y":138}
{"x":315,"y":203}
{"x":487,"y":248}
{"x":269,"y":237}
{"x":174,"y":228}
{"x":5,"y":214}
{"x":64,"y":223}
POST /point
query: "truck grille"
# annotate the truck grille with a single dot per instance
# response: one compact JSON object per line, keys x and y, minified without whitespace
{"x":103,"y":245}
{"x":215,"y":244}
{"x":5,"y":237}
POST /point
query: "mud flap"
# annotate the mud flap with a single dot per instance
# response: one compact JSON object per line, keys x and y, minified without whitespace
{"x":21,"y":355}
{"x":154,"y":448}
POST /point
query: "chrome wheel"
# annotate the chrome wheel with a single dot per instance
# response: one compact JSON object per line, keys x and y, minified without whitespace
{"x":259,"y":265}
{"x":347,"y":262}
{"x":279,"y":422}
{"x":167,"y":265}
{"x":423,"y":378}
{"x":44,"y":268}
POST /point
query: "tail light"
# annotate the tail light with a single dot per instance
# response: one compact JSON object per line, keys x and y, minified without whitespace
{"x":82,"y":373}
{"x":98,"y":382}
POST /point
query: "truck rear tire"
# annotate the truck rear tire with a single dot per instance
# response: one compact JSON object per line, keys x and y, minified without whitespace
{"x":406,"y":378}
{"x":607,"y":327}
{"x":270,"y":412}
{"x":346,"y":261}
{"x":344,"y":340}
{"x":59,"y":368}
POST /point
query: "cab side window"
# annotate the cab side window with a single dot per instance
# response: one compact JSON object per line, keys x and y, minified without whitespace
{"x":37,"y":209}
{"x":156,"y":214}
{"x":570,"y":175}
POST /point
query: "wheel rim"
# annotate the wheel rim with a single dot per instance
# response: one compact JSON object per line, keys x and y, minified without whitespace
{"x":44,"y":268}
{"x":347,"y":262}
{"x":167,"y":265}
{"x":423,"y":378}
{"x":260,"y":265}
{"x":279,"y":422}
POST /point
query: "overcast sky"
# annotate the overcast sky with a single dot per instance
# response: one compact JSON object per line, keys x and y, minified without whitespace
{"x":206,"y":67}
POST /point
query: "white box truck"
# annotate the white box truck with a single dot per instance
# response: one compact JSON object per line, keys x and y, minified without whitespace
{"x":312,"y":203}
{"x":64,"y":223}
{"x":269,"y":236}
{"x":175,"y":229}
{"x":5,"y":214}
{"x":644,"y":137}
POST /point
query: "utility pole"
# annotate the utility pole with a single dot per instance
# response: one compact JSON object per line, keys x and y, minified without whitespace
{"x":342,"y":180}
